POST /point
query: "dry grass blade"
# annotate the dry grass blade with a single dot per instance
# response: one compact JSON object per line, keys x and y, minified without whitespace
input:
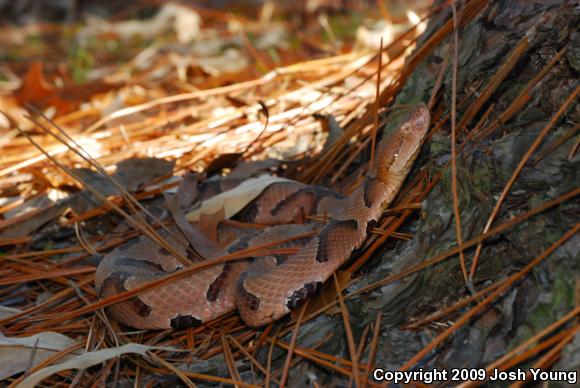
{"x":349,"y":335}
{"x":172,"y":369}
{"x":269,"y":362}
{"x":288,"y":360}
{"x":253,"y":360}
{"x":229,"y":358}
{"x":373,"y":349}
{"x":361,"y":348}
{"x":456,"y":211}
{"x":377,"y":104}
{"x":438,"y":81}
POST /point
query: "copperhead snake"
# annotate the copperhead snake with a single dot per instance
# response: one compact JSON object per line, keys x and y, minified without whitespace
{"x":264,"y":289}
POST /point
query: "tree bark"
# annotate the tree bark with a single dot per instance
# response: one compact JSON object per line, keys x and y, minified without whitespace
{"x":518,"y":64}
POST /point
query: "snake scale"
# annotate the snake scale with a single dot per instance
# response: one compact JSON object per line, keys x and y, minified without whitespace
{"x":264,"y":289}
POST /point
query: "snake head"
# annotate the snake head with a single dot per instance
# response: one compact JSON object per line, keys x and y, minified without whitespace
{"x":398,"y":152}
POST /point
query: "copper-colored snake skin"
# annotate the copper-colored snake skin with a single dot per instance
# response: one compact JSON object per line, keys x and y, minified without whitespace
{"x":263,"y":289}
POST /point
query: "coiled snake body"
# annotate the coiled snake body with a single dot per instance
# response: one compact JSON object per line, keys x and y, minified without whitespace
{"x":266,"y":288}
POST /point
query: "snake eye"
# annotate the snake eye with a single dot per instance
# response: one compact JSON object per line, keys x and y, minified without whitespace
{"x":406,"y":128}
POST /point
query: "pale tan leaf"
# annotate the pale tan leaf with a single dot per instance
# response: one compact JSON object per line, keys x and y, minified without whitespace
{"x":87,"y":360}
{"x":6,"y":312}
{"x":232,"y":201}
{"x":19,"y":353}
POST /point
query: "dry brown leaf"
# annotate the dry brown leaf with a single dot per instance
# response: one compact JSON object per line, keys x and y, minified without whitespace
{"x":187,"y":190}
{"x":223,"y":161}
{"x":134,"y":173}
{"x":208,"y":223}
{"x":198,"y":240}
{"x":37,"y":91}
{"x":34,"y":87}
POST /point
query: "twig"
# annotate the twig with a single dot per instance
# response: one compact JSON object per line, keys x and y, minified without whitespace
{"x":456,"y":211}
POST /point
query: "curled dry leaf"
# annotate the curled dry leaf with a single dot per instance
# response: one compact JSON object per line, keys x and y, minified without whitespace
{"x":187,"y":190}
{"x":232,"y":201}
{"x":192,"y":232}
{"x":134,"y":173}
